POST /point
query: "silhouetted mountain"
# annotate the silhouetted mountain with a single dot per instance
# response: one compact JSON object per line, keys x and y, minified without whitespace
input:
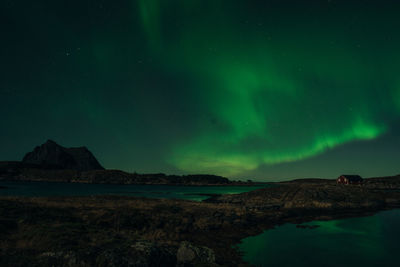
{"x":52,"y":155}
{"x":54,"y":163}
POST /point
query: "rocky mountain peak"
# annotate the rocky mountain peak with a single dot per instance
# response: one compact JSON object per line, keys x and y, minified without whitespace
{"x":52,"y":155}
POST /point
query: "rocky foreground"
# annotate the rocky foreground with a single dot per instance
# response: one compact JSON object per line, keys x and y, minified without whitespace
{"x":127,"y":231}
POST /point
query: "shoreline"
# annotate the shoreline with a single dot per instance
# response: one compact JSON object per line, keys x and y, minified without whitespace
{"x":226,"y":238}
{"x":163,"y":184}
{"x":20,"y":171}
{"x":216,"y":225}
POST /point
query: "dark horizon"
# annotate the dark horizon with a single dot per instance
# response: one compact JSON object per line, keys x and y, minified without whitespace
{"x":268,"y":179}
{"x":261,"y":90}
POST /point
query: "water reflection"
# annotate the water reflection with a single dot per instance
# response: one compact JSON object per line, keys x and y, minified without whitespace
{"x":196,"y":193}
{"x":367,"y":241}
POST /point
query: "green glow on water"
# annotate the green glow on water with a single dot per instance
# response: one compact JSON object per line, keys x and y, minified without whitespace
{"x":366,"y":241}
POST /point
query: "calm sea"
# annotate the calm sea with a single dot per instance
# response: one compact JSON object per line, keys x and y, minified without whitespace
{"x":366,"y":241}
{"x":37,"y":189}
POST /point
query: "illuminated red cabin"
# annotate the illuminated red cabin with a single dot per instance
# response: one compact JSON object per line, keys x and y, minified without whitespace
{"x":349,"y":179}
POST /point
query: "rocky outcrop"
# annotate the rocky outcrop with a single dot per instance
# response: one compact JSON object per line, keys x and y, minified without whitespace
{"x":312,"y":196}
{"x":104,"y":230}
{"x":117,"y":231}
{"x":52,"y":155}
{"x":140,"y":254}
{"x":190,"y":255}
{"x":152,"y":254}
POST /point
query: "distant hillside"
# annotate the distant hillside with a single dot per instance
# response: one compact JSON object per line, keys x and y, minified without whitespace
{"x":17,"y":171}
{"x":52,"y":155}
{"x":54,"y":163}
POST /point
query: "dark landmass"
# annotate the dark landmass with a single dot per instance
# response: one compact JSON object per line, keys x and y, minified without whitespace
{"x":128,"y":231}
{"x":54,"y":163}
{"x":52,"y":155}
{"x":18,"y":171}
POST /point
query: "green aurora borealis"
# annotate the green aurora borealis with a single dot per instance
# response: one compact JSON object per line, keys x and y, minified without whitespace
{"x":258,"y":89}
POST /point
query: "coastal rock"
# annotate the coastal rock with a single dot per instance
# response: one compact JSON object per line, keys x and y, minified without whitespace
{"x":52,"y":155}
{"x":60,"y":258}
{"x":305,"y":196}
{"x":104,"y":230}
{"x":140,"y":254}
{"x":151,"y":254}
{"x":190,"y":255}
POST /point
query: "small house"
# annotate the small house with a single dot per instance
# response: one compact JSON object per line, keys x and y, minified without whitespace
{"x":349,"y":179}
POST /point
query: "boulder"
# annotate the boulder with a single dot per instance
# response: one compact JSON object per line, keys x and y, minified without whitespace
{"x":191,"y":255}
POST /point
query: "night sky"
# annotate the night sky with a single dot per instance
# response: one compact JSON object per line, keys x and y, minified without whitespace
{"x":257,"y":89}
